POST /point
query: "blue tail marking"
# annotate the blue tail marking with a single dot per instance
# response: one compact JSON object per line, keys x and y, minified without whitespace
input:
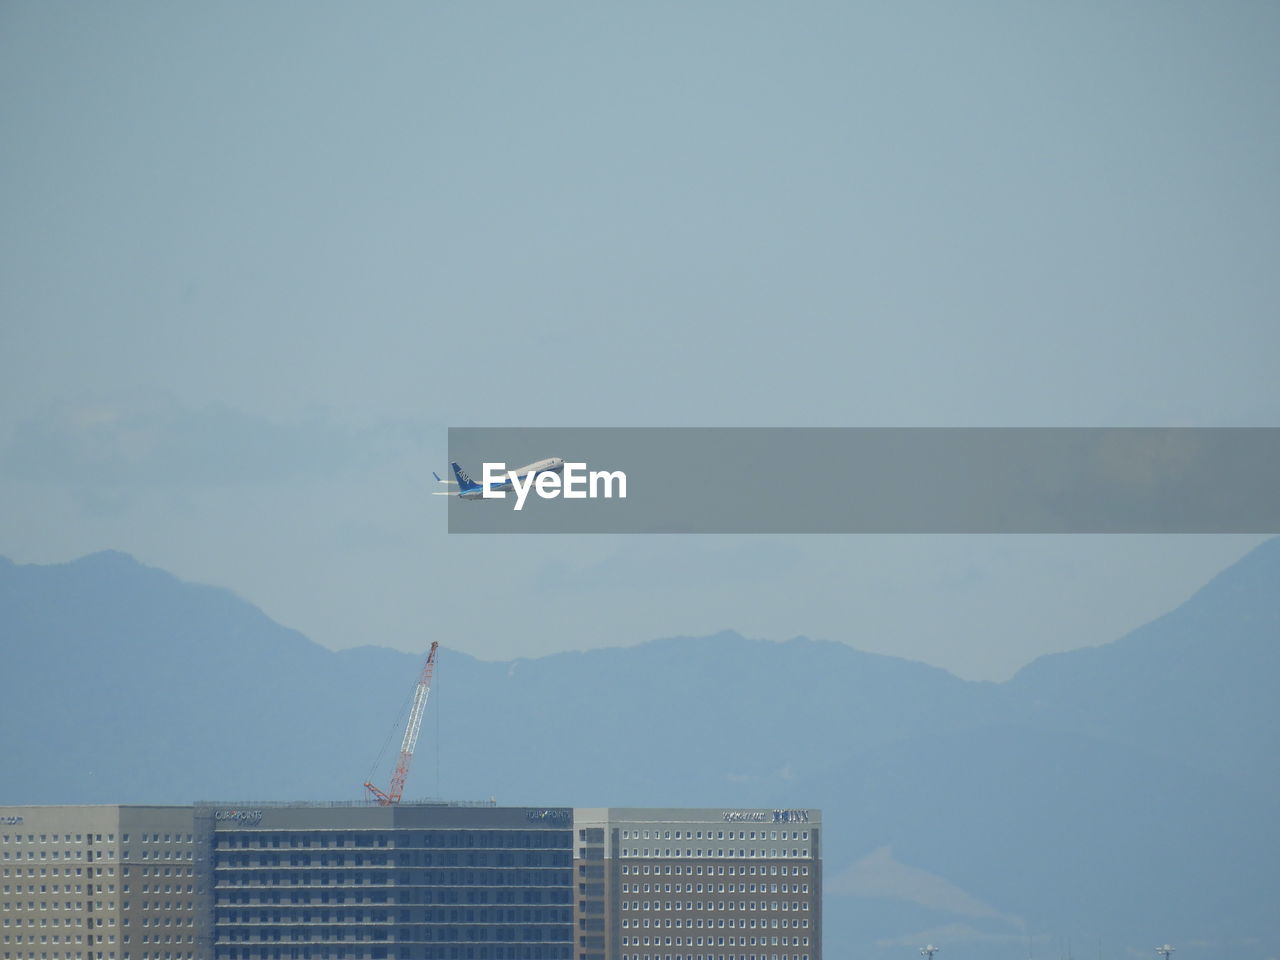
{"x":465,"y":483}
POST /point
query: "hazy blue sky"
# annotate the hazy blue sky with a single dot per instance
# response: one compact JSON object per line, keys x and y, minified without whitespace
{"x":254,"y":259}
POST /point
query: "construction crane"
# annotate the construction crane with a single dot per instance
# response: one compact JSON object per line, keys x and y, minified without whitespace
{"x":410,"y":741}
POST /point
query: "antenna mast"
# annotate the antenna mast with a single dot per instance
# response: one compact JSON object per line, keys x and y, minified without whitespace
{"x":410,"y":741}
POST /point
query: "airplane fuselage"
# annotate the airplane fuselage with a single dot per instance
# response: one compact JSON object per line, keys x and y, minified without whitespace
{"x":550,"y":465}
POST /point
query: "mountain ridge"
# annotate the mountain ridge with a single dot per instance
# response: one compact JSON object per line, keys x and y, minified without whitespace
{"x":150,"y":689}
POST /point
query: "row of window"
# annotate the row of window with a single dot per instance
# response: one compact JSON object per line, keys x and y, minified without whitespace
{"x":98,"y":872}
{"x":145,"y":938}
{"x":716,"y":956}
{"x":111,"y":888}
{"x":798,"y":923}
{"x":326,"y":896}
{"x":44,"y":922}
{"x":79,"y":921}
{"x":109,"y":921}
{"x":30,"y":905}
{"x":716,"y":888}
{"x":740,"y":853}
{"x":716,"y":941}
{"x":159,"y":855}
{"x":772,"y":870}
{"x":528,"y":858}
{"x":68,"y":888}
{"x":46,"y":871}
{"x":108,"y":855}
{"x":45,"y":855}
{"x":95,"y":838}
{"x":424,"y":877}
{"x":338,"y":951}
{"x":719,"y":835}
{"x":433,"y":839}
{"x":258,"y":918}
{"x":461,"y":935}
{"x":718,"y":905}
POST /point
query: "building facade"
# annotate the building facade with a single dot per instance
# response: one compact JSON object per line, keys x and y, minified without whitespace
{"x":102,"y":883}
{"x":412,"y":881}
{"x":696,"y":884}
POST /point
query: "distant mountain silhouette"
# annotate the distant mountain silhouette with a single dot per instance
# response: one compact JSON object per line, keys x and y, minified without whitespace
{"x":1122,"y":792}
{"x":1197,"y":685}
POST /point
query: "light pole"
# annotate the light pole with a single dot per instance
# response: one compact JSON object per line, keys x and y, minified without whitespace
{"x":1164,"y":951}
{"x":930,"y":950}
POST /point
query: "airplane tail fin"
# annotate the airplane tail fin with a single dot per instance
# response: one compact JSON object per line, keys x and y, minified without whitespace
{"x":465,"y":483}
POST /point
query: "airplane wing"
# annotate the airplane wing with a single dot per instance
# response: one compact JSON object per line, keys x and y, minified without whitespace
{"x":443,"y":493}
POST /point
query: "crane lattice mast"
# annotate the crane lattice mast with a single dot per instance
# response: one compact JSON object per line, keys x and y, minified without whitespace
{"x":410,"y":741}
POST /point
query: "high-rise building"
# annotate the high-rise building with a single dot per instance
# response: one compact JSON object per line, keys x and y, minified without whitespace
{"x":681,"y":884}
{"x":421,"y":881}
{"x":102,"y":883}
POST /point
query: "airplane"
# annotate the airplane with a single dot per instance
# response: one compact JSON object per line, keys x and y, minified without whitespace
{"x":468,"y":489}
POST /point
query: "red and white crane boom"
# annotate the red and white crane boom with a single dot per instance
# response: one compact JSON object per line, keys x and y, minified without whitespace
{"x":410,"y":740}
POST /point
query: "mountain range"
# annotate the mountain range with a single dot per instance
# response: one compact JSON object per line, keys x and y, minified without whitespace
{"x":1101,"y":801}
